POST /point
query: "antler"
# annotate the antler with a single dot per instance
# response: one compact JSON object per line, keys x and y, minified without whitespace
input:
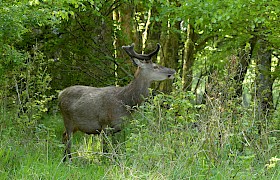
{"x":130,"y":51}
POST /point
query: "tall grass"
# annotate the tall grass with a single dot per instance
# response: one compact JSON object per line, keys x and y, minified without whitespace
{"x":167,"y":138}
{"x":173,"y":139}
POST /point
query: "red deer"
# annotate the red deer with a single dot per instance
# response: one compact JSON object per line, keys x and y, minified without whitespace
{"x":91,"y":110}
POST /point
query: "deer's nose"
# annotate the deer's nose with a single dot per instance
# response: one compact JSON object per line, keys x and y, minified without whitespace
{"x":171,"y":74}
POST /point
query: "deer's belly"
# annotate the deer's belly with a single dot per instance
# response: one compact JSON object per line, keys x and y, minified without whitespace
{"x":96,"y":127}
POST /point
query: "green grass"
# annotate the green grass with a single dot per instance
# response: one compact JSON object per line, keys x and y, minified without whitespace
{"x":36,"y":153}
{"x":160,"y":143}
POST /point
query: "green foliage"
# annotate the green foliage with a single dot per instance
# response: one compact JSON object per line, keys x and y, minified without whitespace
{"x":22,"y":72}
{"x":32,"y":86}
{"x":26,"y":87}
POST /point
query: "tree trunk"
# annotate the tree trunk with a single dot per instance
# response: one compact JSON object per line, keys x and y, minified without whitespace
{"x":124,"y":35}
{"x":169,"y":54}
{"x":188,"y":59}
{"x":264,"y":83}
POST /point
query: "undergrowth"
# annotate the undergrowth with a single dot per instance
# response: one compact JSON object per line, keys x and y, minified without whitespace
{"x":168,"y":137}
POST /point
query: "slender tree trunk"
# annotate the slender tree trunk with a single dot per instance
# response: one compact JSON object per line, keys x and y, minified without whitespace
{"x":145,"y":33}
{"x":188,"y":60}
{"x":155,"y":29}
{"x":264,"y":83}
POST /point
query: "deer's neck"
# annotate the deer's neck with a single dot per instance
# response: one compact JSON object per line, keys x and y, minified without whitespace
{"x":134,"y":93}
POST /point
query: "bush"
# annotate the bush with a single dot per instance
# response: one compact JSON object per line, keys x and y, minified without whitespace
{"x":26,"y":89}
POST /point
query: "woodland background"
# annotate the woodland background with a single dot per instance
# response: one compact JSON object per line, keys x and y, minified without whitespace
{"x":218,"y":119}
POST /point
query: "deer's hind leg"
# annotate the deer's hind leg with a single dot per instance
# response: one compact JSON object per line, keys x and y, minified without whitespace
{"x":66,"y":139}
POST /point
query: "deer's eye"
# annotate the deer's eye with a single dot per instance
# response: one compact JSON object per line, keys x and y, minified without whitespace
{"x":156,"y":67}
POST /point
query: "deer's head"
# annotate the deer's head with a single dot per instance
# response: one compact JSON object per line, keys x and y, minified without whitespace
{"x":146,"y":68}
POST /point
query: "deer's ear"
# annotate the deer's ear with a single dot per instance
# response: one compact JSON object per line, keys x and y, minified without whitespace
{"x":137,"y":62}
